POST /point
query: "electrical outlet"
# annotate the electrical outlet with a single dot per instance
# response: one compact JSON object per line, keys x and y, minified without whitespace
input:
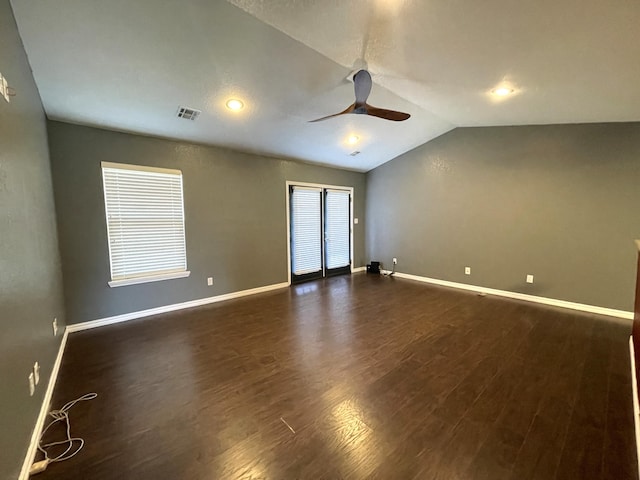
{"x":32,"y":385}
{"x":355,"y":221}
{"x":55,"y":327}
{"x":395,"y":261}
{"x":209,"y":281}
{"x":529,"y":278}
{"x":36,"y":372}
{"x":467,"y":270}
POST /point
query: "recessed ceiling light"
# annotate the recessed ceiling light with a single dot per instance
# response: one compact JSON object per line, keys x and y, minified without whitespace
{"x":353,"y":139}
{"x":235,"y":104}
{"x":502,"y":91}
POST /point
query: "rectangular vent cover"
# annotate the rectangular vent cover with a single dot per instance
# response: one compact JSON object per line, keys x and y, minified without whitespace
{"x":188,"y":113}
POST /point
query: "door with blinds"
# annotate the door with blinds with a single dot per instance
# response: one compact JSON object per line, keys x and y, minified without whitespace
{"x":320,"y":223}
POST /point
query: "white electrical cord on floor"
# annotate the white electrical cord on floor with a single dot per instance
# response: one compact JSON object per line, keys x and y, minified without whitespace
{"x":390,"y":274}
{"x":59,"y":416}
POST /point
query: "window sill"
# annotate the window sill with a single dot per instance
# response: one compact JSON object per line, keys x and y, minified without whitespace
{"x":154,"y":278}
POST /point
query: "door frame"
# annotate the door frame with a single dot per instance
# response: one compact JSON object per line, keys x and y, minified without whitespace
{"x":288,"y":185}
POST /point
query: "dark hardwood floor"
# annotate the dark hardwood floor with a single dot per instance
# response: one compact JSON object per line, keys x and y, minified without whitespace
{"x":377,"y":377}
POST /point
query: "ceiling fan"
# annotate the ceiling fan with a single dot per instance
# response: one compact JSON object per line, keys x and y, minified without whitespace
{"x":362,"y":86}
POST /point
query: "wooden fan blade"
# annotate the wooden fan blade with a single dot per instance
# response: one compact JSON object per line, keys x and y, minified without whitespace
{"x":349,"y":109}
{"x":362,"y":86}
{"x":387,"y":114}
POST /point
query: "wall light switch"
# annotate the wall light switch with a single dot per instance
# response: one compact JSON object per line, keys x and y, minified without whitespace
{"x":529,"y":278}
{"x":355,"y":220}
{"x":4,"y":88}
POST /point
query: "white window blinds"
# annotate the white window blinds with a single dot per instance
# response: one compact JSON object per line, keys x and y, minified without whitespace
{"x":306,"y":230}
{"x":337,"y":228}
{"x":145,"y":223}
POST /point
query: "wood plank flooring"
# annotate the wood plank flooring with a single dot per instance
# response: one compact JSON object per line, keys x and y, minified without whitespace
{"x":377,"y":377}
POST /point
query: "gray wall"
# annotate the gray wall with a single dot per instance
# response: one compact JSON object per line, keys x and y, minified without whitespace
{"x":560,"y":202}
{"x":235,"y":217}
{"x":30,"y":279}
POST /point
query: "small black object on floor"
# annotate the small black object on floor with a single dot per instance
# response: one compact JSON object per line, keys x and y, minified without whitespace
{"x":373,"y":267}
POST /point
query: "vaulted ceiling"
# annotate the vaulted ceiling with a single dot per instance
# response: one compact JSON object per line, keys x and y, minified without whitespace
{"x":128,"y":65}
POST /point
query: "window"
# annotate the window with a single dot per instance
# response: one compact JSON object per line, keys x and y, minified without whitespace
{"x":306,"y":230}
{"x":338,"y":228}
{"x":145,"y":223}
{"x":319,"y":231}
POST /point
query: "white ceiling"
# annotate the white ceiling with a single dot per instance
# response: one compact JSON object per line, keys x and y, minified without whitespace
{"x":128,"y":65}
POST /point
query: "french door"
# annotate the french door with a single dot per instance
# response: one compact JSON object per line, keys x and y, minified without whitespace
{"x":320,"y":232}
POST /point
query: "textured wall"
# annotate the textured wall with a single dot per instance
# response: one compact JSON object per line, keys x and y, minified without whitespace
{"x":559,"y":202}
{"x":30,"y":279}
{"x":235,"y":217}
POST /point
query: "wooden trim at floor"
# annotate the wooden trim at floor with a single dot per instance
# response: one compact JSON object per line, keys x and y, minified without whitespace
{"x":44,"y":410}
{"x":519,"y":296}
{"x":76,"y":327}
{"x":636,"y":404}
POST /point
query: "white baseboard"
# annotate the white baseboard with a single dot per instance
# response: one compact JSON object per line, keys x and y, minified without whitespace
{"x":521,"y":296}
{"x":76,"y":327}
{"x":636,"y":406}
{"x":358,"y":269}
{"x":44,"y":410}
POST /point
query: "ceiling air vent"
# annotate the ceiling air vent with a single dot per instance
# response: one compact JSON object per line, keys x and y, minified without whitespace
{"x":353,"y":154}
{"x":188,"y":113}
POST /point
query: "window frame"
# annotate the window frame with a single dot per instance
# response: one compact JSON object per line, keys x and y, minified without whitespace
{"x":350,"y":189}
{"x":150,"y":277}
